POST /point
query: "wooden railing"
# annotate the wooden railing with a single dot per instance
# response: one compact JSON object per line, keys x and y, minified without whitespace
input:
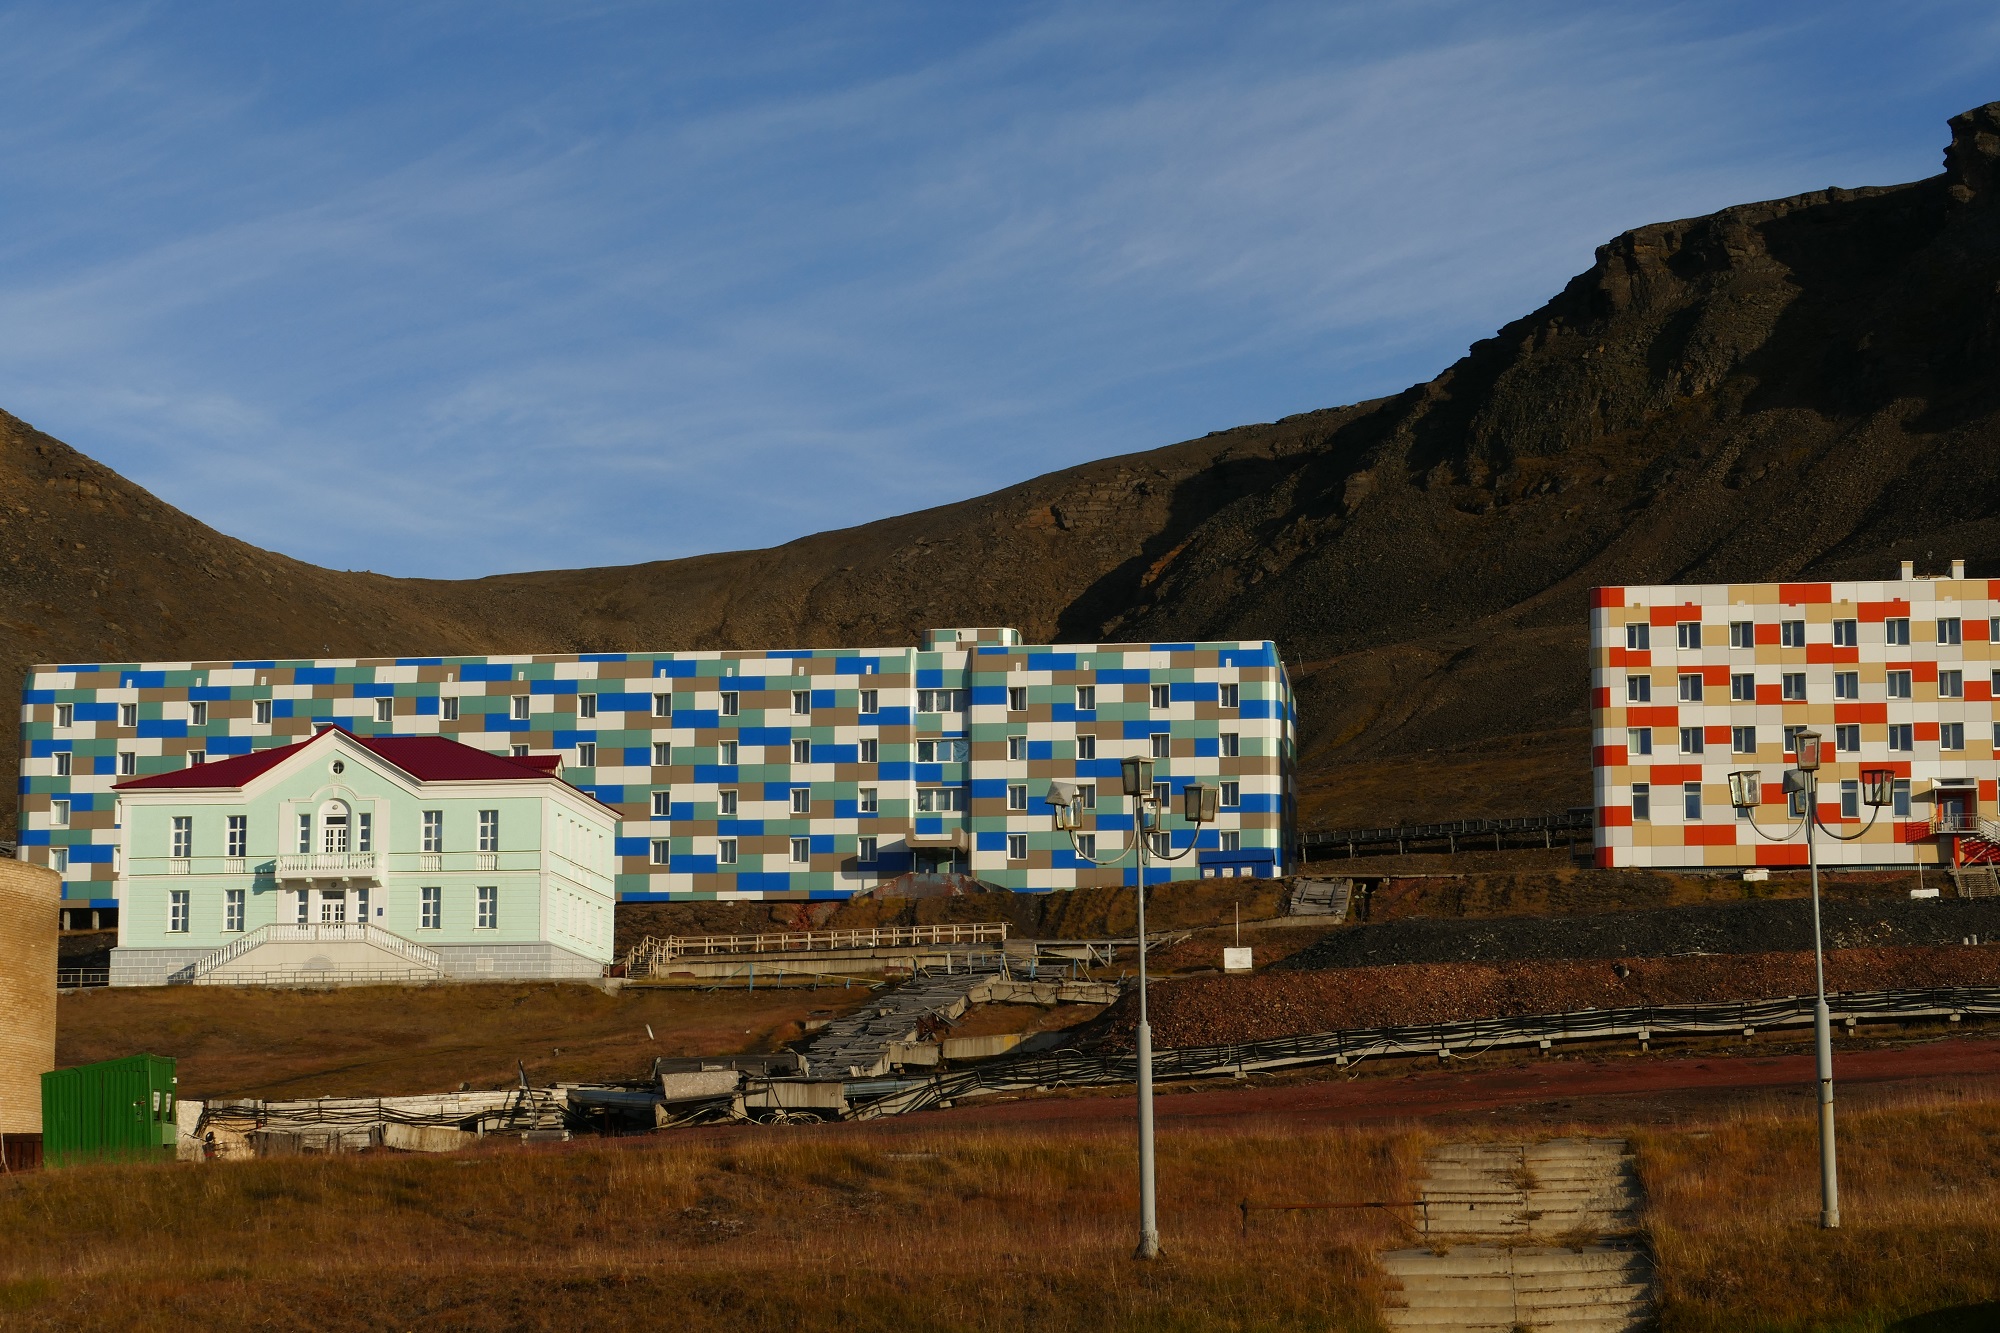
{"x":652,"y":953}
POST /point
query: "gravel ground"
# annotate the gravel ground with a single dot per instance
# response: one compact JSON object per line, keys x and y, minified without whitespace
{"x":1208,"y":1011}
{"x":1709,"y":928}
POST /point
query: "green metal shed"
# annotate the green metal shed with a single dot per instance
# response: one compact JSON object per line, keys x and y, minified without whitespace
{"x":115,"y":1110}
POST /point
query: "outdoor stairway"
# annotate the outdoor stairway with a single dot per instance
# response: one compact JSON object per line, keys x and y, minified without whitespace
{"x":1976,"y":881}
{"x":1478,"y":1197}
{"x":862,"y":1044}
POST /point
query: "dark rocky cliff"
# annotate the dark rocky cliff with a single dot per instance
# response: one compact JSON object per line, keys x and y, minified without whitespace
{"x":1804,"y":386}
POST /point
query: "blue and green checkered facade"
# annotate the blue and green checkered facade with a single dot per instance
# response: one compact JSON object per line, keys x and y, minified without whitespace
{"x":845,"y":767}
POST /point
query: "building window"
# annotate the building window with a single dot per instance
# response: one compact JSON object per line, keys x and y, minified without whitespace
{"x":1948,"y":630}
{"x":1638,"y":636}
{"x":1951,"y":684}
{"x":663,"y":705}
{"x":59,"y":860}
{"x":725,"y":801}
{"x":732,"y":703}
{"x":871,"y":701}
{"x":1691,"y":802}
{"x":58,"y":814}
{"x":1017,"y":698}
{"x":432,"y":911}
{"x":1232,"y":695}
{"x":1901,"y":795}
{"x":663,"y":851}
{"x":304,"y":907}
{"x":433,"y":831}
{"x":1691,"y":740}
{"x":1230,"y":744}
{"x":1017,"y":797}
{"x":1743,"y":687}
{"x":1162,"y":744}
{"x":1850,"y":799}
{"x":198,"y":712}
{"x":489,"y":907}
{"x":802,"y":703}
{"x":63,"y":762}
{"x":1231,"y":795}
{"x":1951,"y":735}
{"x":1791,"y":633}
{"x":1086,"y":846}
{"x":1899,"y":684}
{"x":801,"y":851}
{"x":1086,"y":747}
{"x":1638,"y":741}
{"x":183,"y":837}
{"x":65,"y":716}
{"x":128,"y":714}
{"x":1901,"y":737}
{"x":802,"y":752}
{"x":802,"y":800}
{"x":1896,"y":631}
{"x":663,"y":754}
{"x":1795,"y":804}
{"x":1690,"y":689}
{"x":261,"y":712}
{"x":1742,"y":634}
{"x":448,"y":708}
{"x":197,"y":757}
{"x":232,"y":910}
{"x":1162,"y":696}
{"x":1087,"y":794}
{"x":1846,"y":634}
{"x":305,"y":843}
{"x":586,"y":754}
{"x":1743,"y":740}
{"x":725,"y":851}
{"x":726,"y":754}
{"x":489,"y":830}
{"x":177,"y":911}
{"x":1232,"y":841}
{"x":385,"y":710}
{"x":1163,"y":794}
{"x":1017,"y":846}
{"x":867,"y":802}
{"x":238,"y":829}
{"x":1638,"y":689}
{"x":1687,"y":634}
{"x":586,"y":705}
{"x":864,"y":850}
{"x":520,"y":705}
{"x":1086,"y":698}
{"x":663,"y":803}
{"x":1792,"y":686}
{"x":870,"y":750}
{"x":333,"y":831}
{"x":1792,"y":738}
{"x":128,"y":762}
{"x":1846,"y":685}
{"x":940,"y":800}
{"x":944,"y":752}
{"x":1017,"y":747}
{"x":1847,"y":738}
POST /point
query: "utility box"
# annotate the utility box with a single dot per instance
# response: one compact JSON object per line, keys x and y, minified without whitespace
{"x":112,"y":1111}
{"x":1237,"y":960}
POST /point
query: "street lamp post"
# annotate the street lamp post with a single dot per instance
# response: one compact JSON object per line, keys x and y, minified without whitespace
{"x":1745,"y":793}
{"x":1148,"y":814}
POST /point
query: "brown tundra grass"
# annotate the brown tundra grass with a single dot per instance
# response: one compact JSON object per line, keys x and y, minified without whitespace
{"x":784,"y":1230}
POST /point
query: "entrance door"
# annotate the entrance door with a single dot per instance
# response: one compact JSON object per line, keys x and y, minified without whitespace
{"x":1954,"y":809}
{"x":332,"y":906}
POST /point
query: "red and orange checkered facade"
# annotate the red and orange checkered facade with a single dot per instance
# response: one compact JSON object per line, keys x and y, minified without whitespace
{"x":1690,"y":683}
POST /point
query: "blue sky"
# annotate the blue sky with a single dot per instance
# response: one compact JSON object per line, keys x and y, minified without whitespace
{"x":452,"y":289}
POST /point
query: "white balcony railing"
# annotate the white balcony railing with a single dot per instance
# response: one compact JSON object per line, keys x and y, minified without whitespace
{"x":317,"y":933}
{"x":180,"y":865}
{"x":430,"y":862}
{"x":487,"y":861}
{"x":313,"y":865}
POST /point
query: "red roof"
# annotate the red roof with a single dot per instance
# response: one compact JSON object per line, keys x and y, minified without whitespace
{"x":426,"y":758}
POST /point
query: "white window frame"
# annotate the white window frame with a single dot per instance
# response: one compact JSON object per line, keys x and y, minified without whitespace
{"x":1896,"y":631}
{"x":448,"y":708}
{"x":1847,"y":738}
{"x":1951,"y":736}
{"x":662,"y":852}
{"x":1638,"y":689}
{"x":59,"y":860}
{"x":385,"y":709}
{"x":1638,"y":741}
{"x":1231,"y":840}
{"x":1162,"y":743}
{"x":1899,"y":684}
{"x":1642,"y":802}
{"x":489,"y":907}
{"x":59,"y":813}
{"x":1231,"y":695}
{"x":801,"y":851}
{"x":65,"y":762}
{"x":433,"y":831}
{"x":1086,"y":845}
{"x":1742,"y":634}
{"x":1847,"y":685}
{"x":1230,"y":744}
{"x":1691,"y":687}
{"x":1950,"y":631}
{"x":663,"y":754}
{"x":1231,"y":795}
{"x":1906,"y":734}
{"x":236,"y":836}
{"x":1161,"y":696}
{"x":865,"y":850}
{"x":65,"y":716}
{"x":1791,"y":633}
{"x":802,"y":799}
{"x":1086,"y":698}
{"x":1017,"y":846}
{"x":586,"y":754}
{"x":1691,"y":802}
{"x":725,"y":851}
{"x":232,"y":911}
{"x":1743,"y":687}
{"x":1846,"y":634}
{"x":1694,"y":740}
{"x":1743,"y":740}
{"x":128,"y":714}
{"x":198,"y":713}
{"x":802,"y":703}
{"x":1638,"y":636}
{"x":128,"y":763}
{"x":1687,"y":634}
{"x":489,"y":831}
{"x":1017,"y":796}
{"x":871,"y":701}
{"x":663,"y":803}
{"x":869,"y":750}
{"x":1017,"y":698}
{"x":520,"y":706}
{"x":260,"y":712}
{"x":1792,"y":687}
{"x":1086,"y":747}
{"x":868,"y":800}
{"x":726,"y":752}
{"x":430,"y":907}
{"x":802,"y":752}
{"x":663,"y":705}
{"x":1951,"y":684}
{"x":177,"y":911}
{"x":182,"y":837}
{"x":1017,"y":747}
{"x":305,"y":832}
{"x":586,"y":705}
{"x":197,"y":757}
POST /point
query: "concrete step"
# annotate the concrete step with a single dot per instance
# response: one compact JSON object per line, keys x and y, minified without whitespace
{"x":1518,"y":1260}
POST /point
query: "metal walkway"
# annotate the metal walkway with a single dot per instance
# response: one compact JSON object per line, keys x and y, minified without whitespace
{"x":872,"y":1039}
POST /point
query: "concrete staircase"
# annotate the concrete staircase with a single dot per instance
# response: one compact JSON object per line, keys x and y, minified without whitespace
{"x":1480,"y":1197}
{"x":1320,"y":897}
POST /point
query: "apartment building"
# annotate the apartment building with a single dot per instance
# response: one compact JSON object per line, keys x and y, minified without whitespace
{"x":807,"y":773}
{"x":1691,"y":683}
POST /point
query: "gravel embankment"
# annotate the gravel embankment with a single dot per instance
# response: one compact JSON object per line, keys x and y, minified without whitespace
{"x":1769,"y":925}
{"x":1209,"y":1011}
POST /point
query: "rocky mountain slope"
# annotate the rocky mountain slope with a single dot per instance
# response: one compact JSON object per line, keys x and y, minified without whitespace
{"x":1808,"y":386}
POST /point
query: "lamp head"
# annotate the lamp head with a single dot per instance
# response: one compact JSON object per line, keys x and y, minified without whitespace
{"x":1063,"y":793}
{"x":1746,"y":788}
{"x":1878,"y":786}
{"x":1138,"y":774}
{"x":1807,"y":749}
{"x":1198,"y":803}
